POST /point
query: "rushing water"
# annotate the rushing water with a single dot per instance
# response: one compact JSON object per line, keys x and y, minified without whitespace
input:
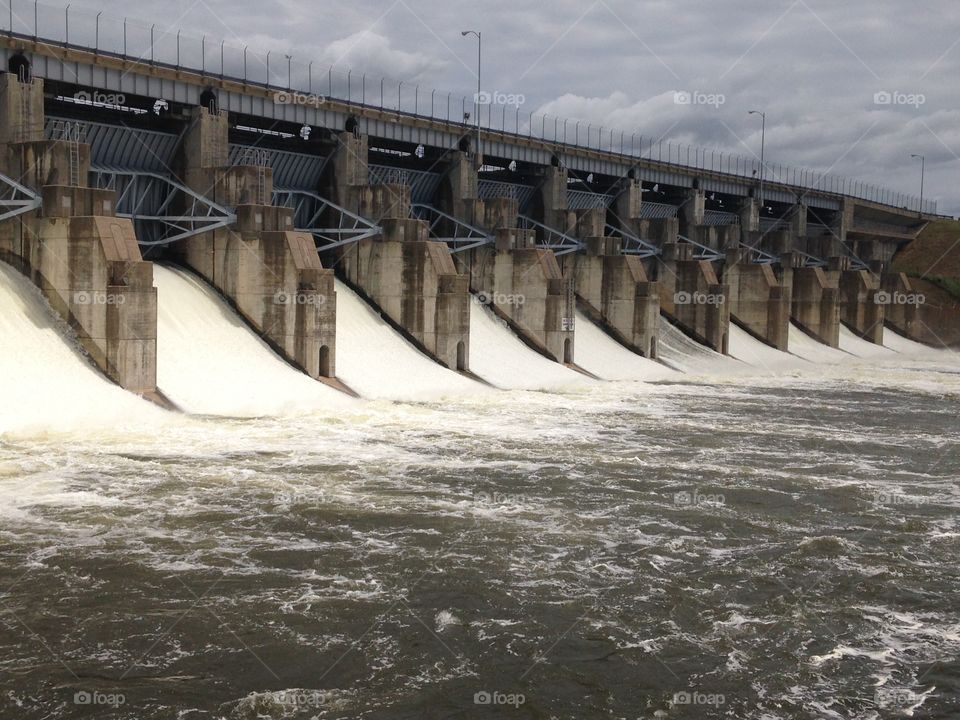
{"x":765,"y":541}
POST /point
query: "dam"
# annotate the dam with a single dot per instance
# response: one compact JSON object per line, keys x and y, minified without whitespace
{"x":326,"y":397}
{"x":281,"y":206}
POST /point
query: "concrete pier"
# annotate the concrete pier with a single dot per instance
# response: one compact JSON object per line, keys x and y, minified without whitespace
{"x":760,"y":296}
{"x":407,"y":276}
{"x":522,"y":283}
{"x":861,"y":309}
{"x":613,"y":289}
{"x":614,"y":292}
{"x":692,"y":296}
{"x":901,"y":305}
{"x":815,"y":305}
{"x":85,"y":260}
{"x":271,"y":274}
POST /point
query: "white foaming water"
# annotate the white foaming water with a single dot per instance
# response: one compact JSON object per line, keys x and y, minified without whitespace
{"x":46,"y":382}
{"x":600,"y":354}
{"x":377,"y":362}
{"x":210,"y":362}
{"x":761,"y":356}
{"x":810,"y":349}
{"x":905,"y":346}
{"x":500,"y":357}
{"x":688,"y":356}
{"x":856,"y":345}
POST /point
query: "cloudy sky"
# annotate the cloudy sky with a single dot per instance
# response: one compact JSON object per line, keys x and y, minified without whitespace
{"x":814,"y":66}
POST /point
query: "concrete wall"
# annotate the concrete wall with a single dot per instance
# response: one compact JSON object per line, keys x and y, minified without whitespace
{"x":409,"y":277}
{"x":902,"y":304}
{"x":271,"y":274}
{"x":85,"y":261}
{"x":614,"y":291}
{"x":526,"y":286}
{"x":759,"y":297}
{"x":815,"y":304}
{"x":859,"y":307}
{"x":692,"y":297}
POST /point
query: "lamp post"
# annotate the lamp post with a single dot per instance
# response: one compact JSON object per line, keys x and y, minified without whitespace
{"x":763,"y":142}
{"x":476,"y":104}
{"x":923,"y":168}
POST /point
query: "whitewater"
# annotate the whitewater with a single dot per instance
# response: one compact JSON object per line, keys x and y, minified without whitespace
{"x":779,"y":529}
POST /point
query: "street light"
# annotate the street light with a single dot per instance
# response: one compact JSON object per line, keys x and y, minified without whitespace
{"x":763,"y":142}
{"x":476,"y":103}
{"x":923,"y":164}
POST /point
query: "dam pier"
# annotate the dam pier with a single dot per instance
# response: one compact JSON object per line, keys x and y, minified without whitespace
{"x":271,"y":202}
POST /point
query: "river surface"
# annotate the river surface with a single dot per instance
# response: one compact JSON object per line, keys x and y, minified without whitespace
{"x":761,"y":549}
{"x":775,"y":544}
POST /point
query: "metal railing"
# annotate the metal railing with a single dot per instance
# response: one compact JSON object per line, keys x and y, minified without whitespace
{"x":718,"y":217}
{"x":310,"y":83}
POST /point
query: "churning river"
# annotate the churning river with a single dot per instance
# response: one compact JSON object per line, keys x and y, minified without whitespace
{"x":765,"y":538}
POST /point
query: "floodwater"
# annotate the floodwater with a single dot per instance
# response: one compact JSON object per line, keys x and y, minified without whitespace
{"x":764,"y":538}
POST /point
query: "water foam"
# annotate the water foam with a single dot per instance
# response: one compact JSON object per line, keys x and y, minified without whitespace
{"x":603,"y":356}
{"x":210,"y":362}
{"x":46,"y":382}
{"x":500,"y":357}
{"x":378,"y":362}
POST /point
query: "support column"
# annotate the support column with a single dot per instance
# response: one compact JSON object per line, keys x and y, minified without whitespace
{"x":406,"y":275}
{"x":759,"y":298}
{"x":901,"y":305}
{"x":815,"y":304}
{"x":692,"y":297}
{"x":85,"y":260}
{"x":271,"y":274}
{"x":859,"y":307}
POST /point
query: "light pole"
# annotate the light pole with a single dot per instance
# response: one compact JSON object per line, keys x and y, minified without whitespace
{"x":476,"y":104}
{"x":763,"y":142}
{"x":923,"y":164}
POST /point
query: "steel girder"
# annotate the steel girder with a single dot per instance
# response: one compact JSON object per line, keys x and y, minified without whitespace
{"x":465,"y":236}
{"x":308,"y":210}
{"x":15,"y":199}
{"x":550,"y":238}
{"x":632,"y":244}
{"x":148,"y":198}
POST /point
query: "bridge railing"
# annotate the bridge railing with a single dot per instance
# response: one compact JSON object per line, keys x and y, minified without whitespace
{"x":311,"y":83}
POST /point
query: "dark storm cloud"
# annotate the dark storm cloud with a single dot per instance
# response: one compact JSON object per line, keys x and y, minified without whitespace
{"x":822,"y":70}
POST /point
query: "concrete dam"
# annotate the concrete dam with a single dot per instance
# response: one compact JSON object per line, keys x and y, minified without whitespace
{"x":297,"y":216}
{"x":323,"y":396}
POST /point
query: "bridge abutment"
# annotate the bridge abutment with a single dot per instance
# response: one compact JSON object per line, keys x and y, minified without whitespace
{"x":85,"y":260}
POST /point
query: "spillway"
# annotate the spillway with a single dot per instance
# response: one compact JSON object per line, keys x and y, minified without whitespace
{"x":210,"y":362}
{"x":46,"y":382}
{"x":498,"y":356}
{"x":855,"y":345}
{"x":806,"y":347}
{"x":759,"y":355}
{"x":603,"y":356}
{"x":377,"y":362}
{"x":687,"y":355}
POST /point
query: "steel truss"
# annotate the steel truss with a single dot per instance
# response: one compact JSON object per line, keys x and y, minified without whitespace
{"x":153,"y":201}
{"x":633,"y":245}
{"x":464,"y":237}
{"x":308,"y":211}
{"x":15,"y":199}
{"x":549,"y":237}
